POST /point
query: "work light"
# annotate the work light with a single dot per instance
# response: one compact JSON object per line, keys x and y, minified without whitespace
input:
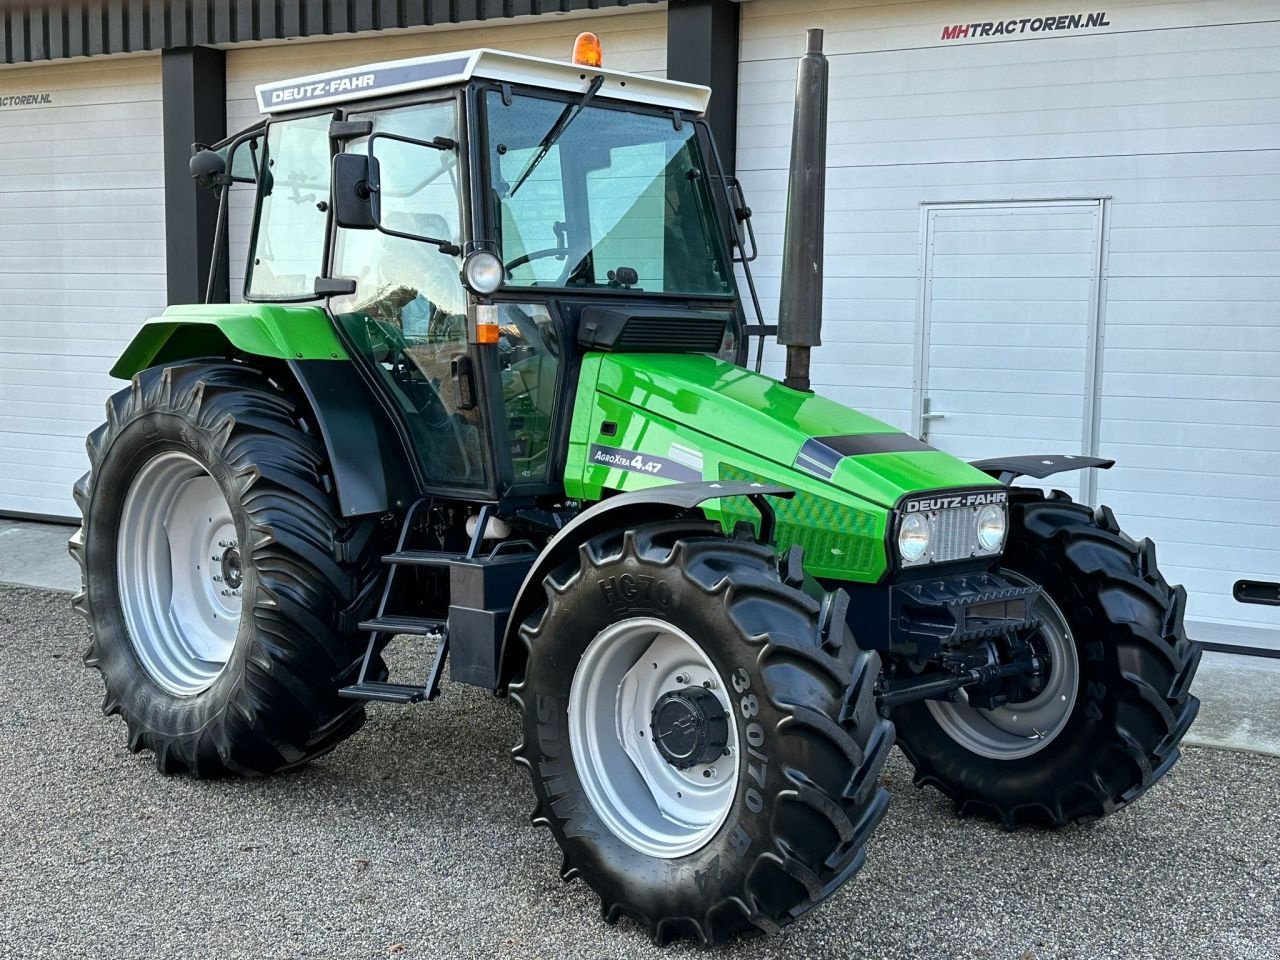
{"x":482,"y":272}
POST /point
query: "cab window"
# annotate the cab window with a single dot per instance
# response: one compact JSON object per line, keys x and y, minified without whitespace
{"x":293,"y":195}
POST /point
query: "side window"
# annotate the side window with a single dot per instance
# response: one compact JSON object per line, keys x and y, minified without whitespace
{"x":293,"y":197}
{"x":401,"y":281}
{"x":529,"y":358}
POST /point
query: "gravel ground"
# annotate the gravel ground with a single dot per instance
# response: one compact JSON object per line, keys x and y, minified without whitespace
{"x":412,"y":840}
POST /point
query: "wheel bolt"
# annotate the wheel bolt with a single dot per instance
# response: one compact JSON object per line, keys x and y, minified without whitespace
{"x":709,"y":773}
{"x":216,"y":559}
{"x":709,"y":684}
{"x":217,"y":578}
{"x":222,"y":543}
{"x":682,"y":678}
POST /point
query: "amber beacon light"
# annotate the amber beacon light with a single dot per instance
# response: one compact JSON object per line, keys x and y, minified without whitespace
{"x":587,"y":51}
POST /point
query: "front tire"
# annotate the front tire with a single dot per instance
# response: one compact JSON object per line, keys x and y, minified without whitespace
{"x":216,"y":568}
{"x":676,"y":609}
{"x":1128,"y":668}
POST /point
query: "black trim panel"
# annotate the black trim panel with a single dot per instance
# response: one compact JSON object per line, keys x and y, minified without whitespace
{"x":821,"y":456}
{"x":59,"y":30}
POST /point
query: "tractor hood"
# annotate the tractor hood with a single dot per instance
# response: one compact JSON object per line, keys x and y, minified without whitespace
{"x":799,"y":432}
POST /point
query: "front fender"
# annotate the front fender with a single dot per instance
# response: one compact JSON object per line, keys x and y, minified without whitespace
{"x":1009,"y":469}
{"x":278,"y":331}
{"x":622,"y":510}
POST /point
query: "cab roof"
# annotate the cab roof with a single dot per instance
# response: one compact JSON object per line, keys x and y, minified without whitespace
{"x":426,"y":73}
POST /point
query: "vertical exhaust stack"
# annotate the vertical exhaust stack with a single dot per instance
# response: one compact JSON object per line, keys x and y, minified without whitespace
{"x":800,"y":302}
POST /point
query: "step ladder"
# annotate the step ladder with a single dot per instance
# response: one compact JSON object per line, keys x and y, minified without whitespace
{"x":387,"y":625}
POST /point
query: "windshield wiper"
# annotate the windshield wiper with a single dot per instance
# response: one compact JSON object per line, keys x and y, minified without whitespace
{"x":567,"y":116}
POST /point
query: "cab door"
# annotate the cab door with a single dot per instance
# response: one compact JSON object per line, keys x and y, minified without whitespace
{"x":408,"y":314}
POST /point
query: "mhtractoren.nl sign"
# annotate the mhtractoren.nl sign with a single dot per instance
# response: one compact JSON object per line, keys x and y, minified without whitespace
{"x":25,"y":100}
{"x":1026,"y":25}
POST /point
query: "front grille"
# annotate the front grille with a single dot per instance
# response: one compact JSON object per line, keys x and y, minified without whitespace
{"x":954,"y":534}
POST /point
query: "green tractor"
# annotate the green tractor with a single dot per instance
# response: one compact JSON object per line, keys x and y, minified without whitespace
{"x":490,"y":387}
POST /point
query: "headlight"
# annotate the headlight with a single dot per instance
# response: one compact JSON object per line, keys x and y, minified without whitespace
{"x":913,"y":538}
{"x":991,"y":528}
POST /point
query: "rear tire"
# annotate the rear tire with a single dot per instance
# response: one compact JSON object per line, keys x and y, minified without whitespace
{"x":207,"y":695}
{"x":1134,"y":667}
{"x":801,"y":702}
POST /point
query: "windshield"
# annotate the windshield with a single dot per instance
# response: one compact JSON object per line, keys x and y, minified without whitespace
{"x":618,"y":199}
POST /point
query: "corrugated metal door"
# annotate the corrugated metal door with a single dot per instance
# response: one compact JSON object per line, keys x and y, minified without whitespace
{"x":633,"y":41}
{"x":82,"y":260}
{"x":1008,"y":326}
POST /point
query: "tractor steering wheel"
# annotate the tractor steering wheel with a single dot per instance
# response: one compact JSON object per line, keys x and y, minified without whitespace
{"x":560,"y":253}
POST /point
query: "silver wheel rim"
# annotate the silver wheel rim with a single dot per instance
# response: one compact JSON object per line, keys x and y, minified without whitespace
{"x":179,"y":573}
{"x":1019,"y":730}
{"x":644,"y":800}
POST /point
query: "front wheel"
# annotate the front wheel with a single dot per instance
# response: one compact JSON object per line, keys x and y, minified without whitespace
{"x":1106,"y":724}
{"x":702,"y":735}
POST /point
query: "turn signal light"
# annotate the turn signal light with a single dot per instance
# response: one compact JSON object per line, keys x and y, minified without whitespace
{"x":587,"y":51}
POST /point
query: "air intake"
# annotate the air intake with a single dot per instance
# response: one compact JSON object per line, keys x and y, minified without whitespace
{"x":652,"y":330}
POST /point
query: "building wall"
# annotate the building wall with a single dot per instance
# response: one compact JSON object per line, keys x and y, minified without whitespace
{"x":1169,"y":119}
{"x":634,"y":39}
{"x":82,"y":259}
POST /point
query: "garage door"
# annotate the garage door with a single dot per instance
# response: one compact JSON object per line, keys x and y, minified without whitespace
{"x":1171,"y":112}
{"x":81,"y":260}
{"x":633,"y":41}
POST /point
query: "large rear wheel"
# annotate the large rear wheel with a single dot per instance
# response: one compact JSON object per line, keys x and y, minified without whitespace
{"x":702,"y":734}
{"x":216,"y":570}
{"x":1115,"y":702}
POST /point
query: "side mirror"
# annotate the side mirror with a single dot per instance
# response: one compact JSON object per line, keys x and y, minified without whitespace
{"x":355,"y":186}
{"x":206,"y":167}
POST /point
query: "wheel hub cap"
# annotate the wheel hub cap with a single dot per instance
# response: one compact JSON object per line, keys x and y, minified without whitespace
{"x":690,"y":727}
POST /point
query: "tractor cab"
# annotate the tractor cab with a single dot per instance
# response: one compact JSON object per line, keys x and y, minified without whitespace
{"x":476,"y":220}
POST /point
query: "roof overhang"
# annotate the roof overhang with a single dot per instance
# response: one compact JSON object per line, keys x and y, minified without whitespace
{"x":59,"y":29}
{"x":425,"y":73}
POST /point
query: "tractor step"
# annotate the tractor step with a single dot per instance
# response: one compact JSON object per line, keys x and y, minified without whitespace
{"x":414,"y":626}
{"x":423,"y":558}
{"x":384,"y":692}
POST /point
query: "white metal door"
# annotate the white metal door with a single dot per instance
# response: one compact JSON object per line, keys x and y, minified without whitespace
{"x":1008,"y":330}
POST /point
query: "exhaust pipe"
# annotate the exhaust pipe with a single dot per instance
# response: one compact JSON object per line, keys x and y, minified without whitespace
{"x":800,"y":301}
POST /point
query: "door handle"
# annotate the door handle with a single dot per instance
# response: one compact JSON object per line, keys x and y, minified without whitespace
{"x":927,"y":416}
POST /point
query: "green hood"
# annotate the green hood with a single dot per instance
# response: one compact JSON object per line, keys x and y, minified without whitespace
{"x":641,"y":420}
{"x":759,"y":415}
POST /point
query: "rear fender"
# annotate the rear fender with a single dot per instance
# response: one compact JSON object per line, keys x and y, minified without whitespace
{"x":370,"y":468}
{"x":278,"y":331}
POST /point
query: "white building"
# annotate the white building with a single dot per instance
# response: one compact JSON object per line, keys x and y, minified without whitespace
{"x":1045,"y":233}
